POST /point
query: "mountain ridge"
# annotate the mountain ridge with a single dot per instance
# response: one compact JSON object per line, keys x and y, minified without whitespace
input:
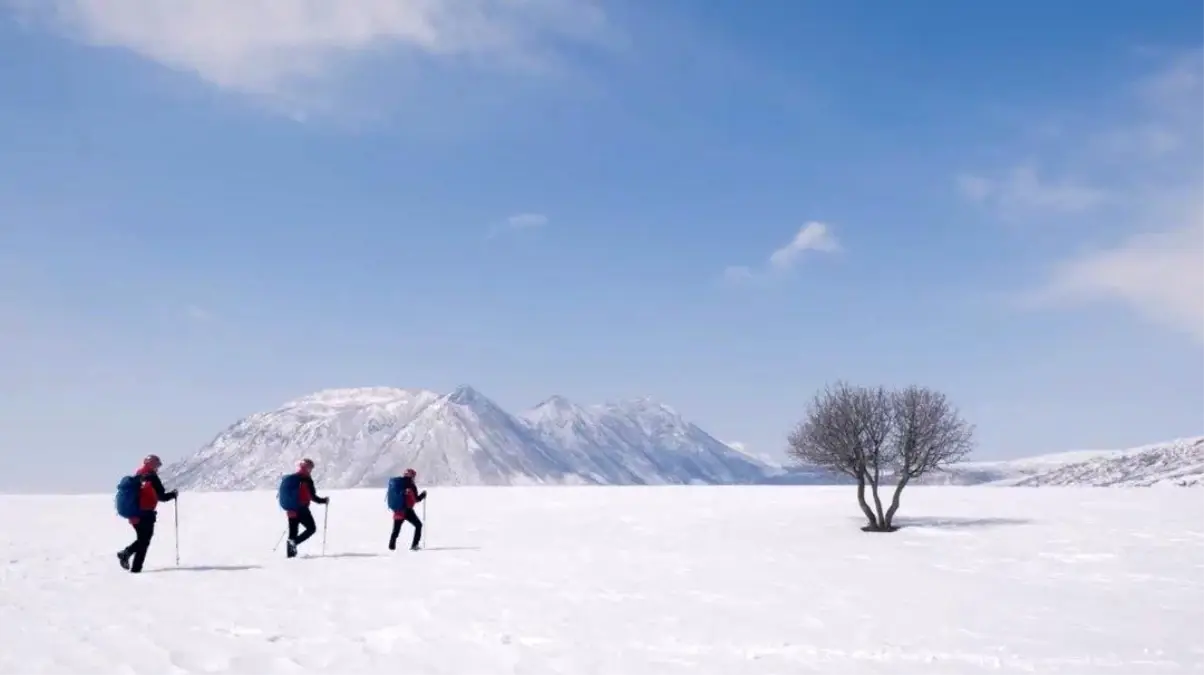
{"x":1176,"y":462}
{"x":360,"y":436}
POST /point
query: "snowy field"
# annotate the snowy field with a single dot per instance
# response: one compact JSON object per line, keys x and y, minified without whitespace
{"x":625,"y":581}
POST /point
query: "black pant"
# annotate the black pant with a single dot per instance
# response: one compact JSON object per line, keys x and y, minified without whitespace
{"x":144,"y":530}
{"x":305,"y":519}
{"x":411,"y":518}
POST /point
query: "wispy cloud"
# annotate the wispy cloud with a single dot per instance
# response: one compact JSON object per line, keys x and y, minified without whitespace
{"x":1160,"y":274}
{"x":1150,"y":171}
{"x":813,"y":236}
{"x":519,"y":221}
{"x":199,"y":314}
{"x":1022,"y":191}
{"x":523,"y":221}
{"x":738,"y":274}
{"x":288,"y":50}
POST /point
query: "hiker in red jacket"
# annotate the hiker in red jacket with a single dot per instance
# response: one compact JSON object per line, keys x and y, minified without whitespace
{"x":302,"y":517}
{"x":407,"y":515}
{"x":149,"y":495}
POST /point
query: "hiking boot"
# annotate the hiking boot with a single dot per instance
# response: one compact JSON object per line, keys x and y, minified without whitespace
{"x":123,"y":559}
{"x":291,"y":549}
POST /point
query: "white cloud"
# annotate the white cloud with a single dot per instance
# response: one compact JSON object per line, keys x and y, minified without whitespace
{"x":524,"y":221}
{"x":1022,"y":191}
{"x":1146,"y":250}
{"x":813,"y":236}
{"x":1145,"y":139}
{"x":285,"y":49}
{"x":198,"y":313}
{"x":1175,"y":88}
{"x":975,"y":188}
{"x":1159,"y":274}
{"x":519,"y":221}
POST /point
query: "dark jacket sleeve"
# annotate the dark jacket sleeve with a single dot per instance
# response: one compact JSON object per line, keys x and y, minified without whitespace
{"x":418,"y":495}
{"x":157,"y":485}
{"x":313,"y":490}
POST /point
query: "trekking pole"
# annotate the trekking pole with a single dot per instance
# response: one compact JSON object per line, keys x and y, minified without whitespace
{"x":175,"y":504}
{"x":424,"y":525}
{"x":280,"y":540}
{"x":325,"y":517}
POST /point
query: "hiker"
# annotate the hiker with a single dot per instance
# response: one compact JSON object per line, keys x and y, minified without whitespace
{"x":138,"y":498}
{"x":403,"y":494}
{"x":296,"y":492}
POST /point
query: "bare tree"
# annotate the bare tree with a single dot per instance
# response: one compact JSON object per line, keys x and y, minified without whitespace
{"x":847,"y":431}
{"x":872,"y":435}
{"x":929,"y":434}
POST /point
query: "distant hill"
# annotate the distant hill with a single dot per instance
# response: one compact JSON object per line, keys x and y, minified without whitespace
{"x":1175,"y":463}
{"x":1172,"y":463}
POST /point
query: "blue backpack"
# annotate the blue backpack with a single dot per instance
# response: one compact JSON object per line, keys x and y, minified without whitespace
{"x":289,"y":494}
{"x":395,"y":496}
{"x":127,"y":500}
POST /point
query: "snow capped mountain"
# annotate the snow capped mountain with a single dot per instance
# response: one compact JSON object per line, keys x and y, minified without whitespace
{"x":343,"y":429}
{"x":639,"y":441}
{"x":1179,"y":462}
{"x":361,"y":437}
{"x":466,"y":439}
{"x":577,"y":434}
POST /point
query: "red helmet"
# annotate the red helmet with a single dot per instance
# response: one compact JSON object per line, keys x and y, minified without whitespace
{"x":410,"y":473}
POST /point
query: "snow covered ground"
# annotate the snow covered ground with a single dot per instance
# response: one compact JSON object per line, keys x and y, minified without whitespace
{"x":623,"y":580}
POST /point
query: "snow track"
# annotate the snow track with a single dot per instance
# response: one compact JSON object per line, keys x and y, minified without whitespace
{"x":617,"y":580}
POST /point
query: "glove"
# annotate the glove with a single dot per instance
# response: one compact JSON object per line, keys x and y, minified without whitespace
{"x":173,"y":494}
{"x":324,"y":500}
{"x":422,"y":495}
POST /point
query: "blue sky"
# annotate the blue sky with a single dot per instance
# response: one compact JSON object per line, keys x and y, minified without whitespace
{"x":209,"y":208}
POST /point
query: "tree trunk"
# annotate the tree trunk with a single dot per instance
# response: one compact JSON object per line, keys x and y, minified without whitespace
{"x":881,"y":522}
{"x":894,"y":501}
{"x":865,"y":507}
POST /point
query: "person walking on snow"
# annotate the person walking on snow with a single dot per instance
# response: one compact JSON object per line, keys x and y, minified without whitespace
{"x":150,"y":493}
{"x":301,"y":516}
{"x":411,"y":496}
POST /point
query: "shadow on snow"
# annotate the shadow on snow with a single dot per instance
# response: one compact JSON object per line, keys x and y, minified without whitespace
{"x":452,"y":548}
{"x":390,"y":554}
{"x":956,"y":523}
{"x":242,"y":568}
{"x":208,"y":568}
